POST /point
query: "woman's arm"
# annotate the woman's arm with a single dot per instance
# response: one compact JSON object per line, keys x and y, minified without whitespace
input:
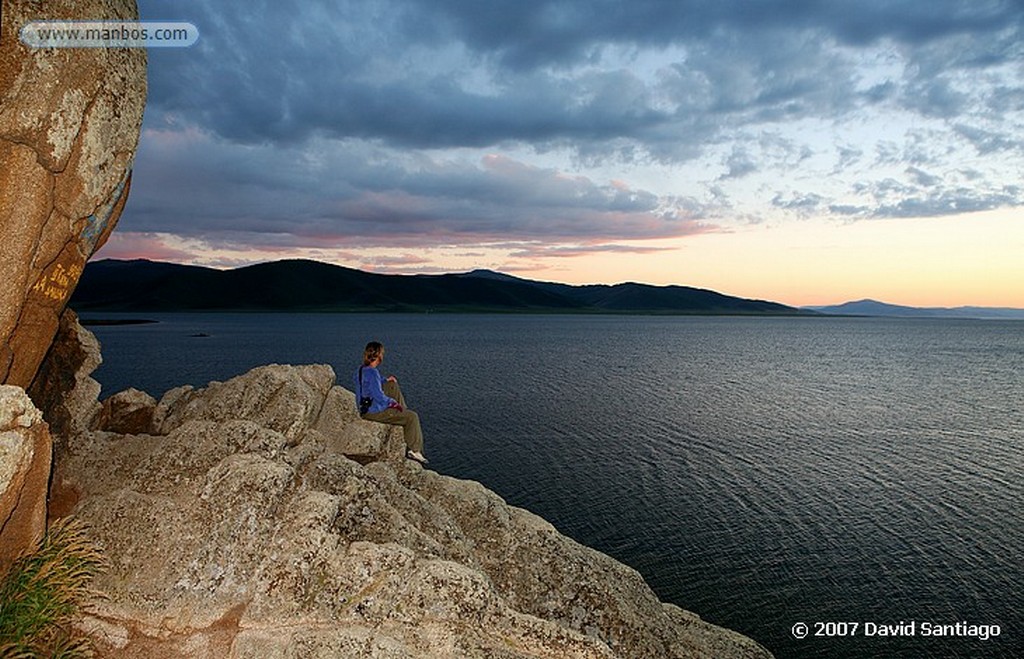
{"x":373,"y":387}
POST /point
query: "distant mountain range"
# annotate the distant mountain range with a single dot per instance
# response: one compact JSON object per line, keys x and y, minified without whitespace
{"x":301,"y":285}
{"x":875,"y":308}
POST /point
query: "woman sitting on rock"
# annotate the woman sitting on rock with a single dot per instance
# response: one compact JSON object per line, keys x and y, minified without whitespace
{"x":382,"y":401}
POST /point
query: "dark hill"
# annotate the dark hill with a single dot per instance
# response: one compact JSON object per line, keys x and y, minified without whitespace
{"x":300,"y":285}
{"x":295,"y":285}
{"x":629,"y":296}
{"x":876,"y":308}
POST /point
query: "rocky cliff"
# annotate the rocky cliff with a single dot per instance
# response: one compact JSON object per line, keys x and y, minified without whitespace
{"x":25,"y":454}
{"x":69,"y":127}
{"x":260,"y":517}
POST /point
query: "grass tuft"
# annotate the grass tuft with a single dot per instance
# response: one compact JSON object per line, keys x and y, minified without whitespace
{"x":43,"y":592}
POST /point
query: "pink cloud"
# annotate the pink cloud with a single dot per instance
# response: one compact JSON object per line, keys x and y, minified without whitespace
{"x":152,"y":246}
{"x":562,"y":251}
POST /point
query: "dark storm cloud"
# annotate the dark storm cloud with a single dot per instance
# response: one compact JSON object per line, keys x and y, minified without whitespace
{"x":403,"y":72}
{"x":531,"y":33}
{"x":302,"y":123}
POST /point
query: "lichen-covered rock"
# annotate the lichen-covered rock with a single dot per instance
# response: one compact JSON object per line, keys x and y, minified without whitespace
{"x":286,"y":399}
{"x":25,"y":453}
{"x":129,"y":412}
{"x":345,"y":433}
{"x":63,"y":387}
{"x":245,"y":532}
{"x":69,"y":126}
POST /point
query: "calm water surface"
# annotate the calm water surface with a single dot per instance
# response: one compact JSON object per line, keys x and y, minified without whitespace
{"x":758,"y":471}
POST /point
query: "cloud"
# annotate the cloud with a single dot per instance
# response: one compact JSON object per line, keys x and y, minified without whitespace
{"x":948,"y":202}
{"x":848,"y":156}
{"x":534,"y":33}
{"x":571,"y":124}
{"x":142,"y":245}
{"x":319,"y":196}
{"x":923,"y":178}
{"x":803,"y":203}
{"x":665,"y":77}
{"x":988,"y":142}
{"x":929,"y":196}
{"x":738,"y":164}
{"x":563,"y":251}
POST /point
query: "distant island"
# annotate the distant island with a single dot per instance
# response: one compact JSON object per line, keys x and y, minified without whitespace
{"x":876,"y":308}
{"x":304,"y":285}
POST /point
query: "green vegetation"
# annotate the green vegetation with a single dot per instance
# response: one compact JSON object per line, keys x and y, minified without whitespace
{"x":43,"y":592}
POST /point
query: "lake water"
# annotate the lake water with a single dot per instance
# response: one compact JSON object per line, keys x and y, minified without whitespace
{"x":761,"y":472}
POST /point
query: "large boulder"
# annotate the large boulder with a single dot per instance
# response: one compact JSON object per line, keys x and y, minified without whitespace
{"x":129,"y":412}
{"x":63,"y":387}
{"x":345,"y":433}
{"x":69,"y":126}
{"x":25,"y":454}
{"x":285,"y":399}
{"x":245,"y":531}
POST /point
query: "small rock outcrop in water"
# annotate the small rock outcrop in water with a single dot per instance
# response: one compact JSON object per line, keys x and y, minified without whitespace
{"x":260,"y":517}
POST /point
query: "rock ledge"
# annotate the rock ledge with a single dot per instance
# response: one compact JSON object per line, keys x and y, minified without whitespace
{"x":260,"y":517}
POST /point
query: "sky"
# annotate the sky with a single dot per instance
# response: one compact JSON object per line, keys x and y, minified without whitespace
{"x":800,"y":151}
